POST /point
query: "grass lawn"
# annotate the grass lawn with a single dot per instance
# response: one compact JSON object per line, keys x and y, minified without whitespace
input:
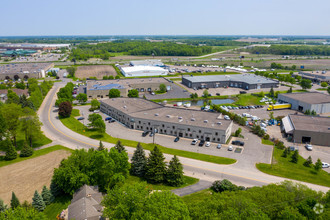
{"x":159,"y":92}
{"x":248,"y":99}
{"x":188,"y":181}
{"x":284,"y":168}
{"x":197,"y":196}
{"x":222,"y":48}
{"x":322,"y":89}
{"x":75,"y":113}
{"x":55,"y":208}
{"x":36,"y":142}
{"x":36,"y":153}
{"x":267,"y":142}
{"x":82,"y":104}
{"x":78,"y":127}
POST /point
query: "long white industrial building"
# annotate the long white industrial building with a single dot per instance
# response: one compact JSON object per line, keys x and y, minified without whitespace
{"x":133,"y":71}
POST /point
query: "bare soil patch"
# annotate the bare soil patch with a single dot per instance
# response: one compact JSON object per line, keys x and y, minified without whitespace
{"x":97,"y":71}
{"x":25,"y":177}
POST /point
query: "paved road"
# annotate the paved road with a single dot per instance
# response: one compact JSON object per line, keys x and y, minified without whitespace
{"x":56,"y":131}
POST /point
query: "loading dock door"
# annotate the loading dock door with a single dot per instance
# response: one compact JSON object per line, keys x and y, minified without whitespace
{"x":305,"y":140}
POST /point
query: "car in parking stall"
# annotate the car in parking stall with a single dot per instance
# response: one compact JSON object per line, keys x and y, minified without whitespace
{"x":194,"y":142}
{"x":230,"y":148}
{"x":176,"y":139}
{"x":201,"y":143}
{"x":219,"y":146}
{"x":309,"y":147}
{"x":237,"y":142}
{"x":207,"y":144}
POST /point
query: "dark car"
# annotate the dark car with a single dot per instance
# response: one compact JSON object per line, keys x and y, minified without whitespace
{"x":201,"y":143}
{"x":80,"y":118}
{"x":176,"y":139}
{"x":242,"y":92}
{"x":218,"y":94}
{"x":239,"y":143}
{"x":111,"y":120}
{"x":107,"y":118}
{"x":145,"y":133}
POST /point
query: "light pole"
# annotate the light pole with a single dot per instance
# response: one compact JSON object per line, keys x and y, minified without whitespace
{"x":153,"y":137}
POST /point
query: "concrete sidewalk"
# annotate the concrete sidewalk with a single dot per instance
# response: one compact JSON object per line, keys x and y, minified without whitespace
{"x":202,"y":184}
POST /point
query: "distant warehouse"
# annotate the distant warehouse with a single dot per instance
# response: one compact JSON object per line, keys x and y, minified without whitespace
{"x":134,"y":71}
{"x":244,"y":81}
{"x":141,"y":114}
{"x":24,"y":70}
{"x":307,"y":129}
{"x":316,"y":101}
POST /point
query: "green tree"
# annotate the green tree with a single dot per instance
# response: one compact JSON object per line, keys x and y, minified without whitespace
{"x":26,"y":151}
{"x":65,"y":109}
{"x":37,"y":202}
{"x":223,"y":185}
{"x":271,"y":115}
{"x":3,"y":127}
{"x":138,"y":162}
{"x":71,"y":70}
{"x":156,"y":167}
{"x":12,"y":97}
{"x":318,"y":165}
{"x":271,"y":93}
{"x":95,"y":104}
{"x":100,"y":125}
{"x":133,"y":93}
{"x":294,"y":157}
{"x":22,"y":214}
{"x":3,"y":206}
{"x":205,"y":93}
{"x":11,"y":153}
{"x":308,"y":162}
{"x":101,"y":146}
{"x":290,"y":90}
{"x":11,"y":113}
{"x":47,"y":196}
{"x":174,"y":175}
{"x":328,"y":89}
{"x":114,"y":93}
{"x":285,"y":153}
{"x":93,"y":117}
{"x":82,"y":98}
{"x":119,"y":146}
{"x":324,"y":84}
{"x":30,"y":125}
{"x":238,"y":132}
{"x":162,"y":88}
{"x":306,"y":84}
{"x":14,"y":202}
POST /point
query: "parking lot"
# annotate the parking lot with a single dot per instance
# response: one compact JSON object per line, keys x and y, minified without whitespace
{"x":252,"y":152}
{"x":262,"y":113}
{"x":40,"y":58}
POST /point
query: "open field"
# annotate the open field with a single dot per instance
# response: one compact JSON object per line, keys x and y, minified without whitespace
{"x":29,"y":175}
{"x":97,"y":71}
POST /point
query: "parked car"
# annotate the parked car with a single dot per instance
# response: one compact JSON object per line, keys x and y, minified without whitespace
{"x":176,"y":139}
{"x":226,"y":117}
{"x":107,"y":118}
{"x":194,"y":142}
{"x":145,"y":133}
{"x":218,"y":94}
{"x":309,"y":147}
{"x":230,"y":148}
{"x":112,"y":120}
{"x":207,"y":144}
{"x":237,"y":142}
{"x":325,"y":165}
{"x":96,"y":111}
{"x":80,"y":118}
{"x":151,"y":134}
{"x":293,"y":148}
{"x":219,"y":146}
{"x":201,"y":143}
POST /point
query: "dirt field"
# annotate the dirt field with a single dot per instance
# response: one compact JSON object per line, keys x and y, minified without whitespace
{"x":27,"y":176}
{"x":97,"y":71}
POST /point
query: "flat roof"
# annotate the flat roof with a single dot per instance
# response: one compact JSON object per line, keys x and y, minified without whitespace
{"x":125,"y":83}
{"x":247,"y":78}
{"x":141,"y":108}
{"x":132,"y":69}
{"x":316,"y":73}
{"x":147,"y":63}
{"x":308,"y":97}
{"x":16,"y":68}
{"x":311,"y":123}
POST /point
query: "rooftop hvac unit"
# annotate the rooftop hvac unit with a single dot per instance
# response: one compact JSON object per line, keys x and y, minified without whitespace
{"x":219,"y":123}
{"x":156,"y":114}
{"x":205,"y":121}
{"x":193,"y":119}
{"x":179,"y":117}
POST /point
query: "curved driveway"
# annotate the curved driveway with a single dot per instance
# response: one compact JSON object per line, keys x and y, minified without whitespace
{"x":55,"y":130}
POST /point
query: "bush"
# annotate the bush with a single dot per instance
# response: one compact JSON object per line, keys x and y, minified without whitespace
{"x":324,"y":84}
{"x":225,"y":185}
{"x":65,"y":109}
{"x":266,"y":136}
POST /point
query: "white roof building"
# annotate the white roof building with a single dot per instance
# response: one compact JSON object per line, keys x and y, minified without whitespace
{"x":133,"y":71}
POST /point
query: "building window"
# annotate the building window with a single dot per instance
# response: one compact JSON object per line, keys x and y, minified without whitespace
{"x":149,"y":89}
{"x":200,"y":131}
{"x":188,"y":129}
{"x":141,"y":127}
{"x":164,"y":131}
{"x":218,"y":139}
{"x":173,"y":127}
{"x":139,"y":122}
{"x":138,"y":126}
{"x":213,"y":139}
{"x":142,"y":89}
{"x":216,"y":133}
{"x":148,"y":123}
{"x":197,"y":136}
{"x":190,"y":135}
{"x":163,"y":125}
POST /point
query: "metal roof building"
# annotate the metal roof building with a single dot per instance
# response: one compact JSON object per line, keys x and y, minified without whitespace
{"x":307,"y":129}
{"x":319,"y":102}
{"x":244,"y":81}
{"x":146,"y":63}
{"x":133,"y":71}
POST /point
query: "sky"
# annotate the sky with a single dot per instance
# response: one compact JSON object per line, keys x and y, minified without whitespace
{"x":164,"y":17}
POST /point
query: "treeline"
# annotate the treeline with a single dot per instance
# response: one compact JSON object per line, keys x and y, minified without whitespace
{"x":103,"y":50}
{"x":293,"y":50}
{"x":215,"y":42}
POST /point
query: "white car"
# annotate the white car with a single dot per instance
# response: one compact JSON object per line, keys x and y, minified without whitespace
{"x":325,"y":165}
{"x":207,"y":144}
{"x":96,"y":111}
{"x":194,"y":142}
{"x":219,"y":146}
{"x":226,"y":117}
{"x":309,"y":147}
{"x":230,"y":148}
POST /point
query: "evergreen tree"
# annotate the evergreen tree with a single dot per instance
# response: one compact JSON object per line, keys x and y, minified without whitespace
{"x":271,"y":92}
{"x":290,"y":90}
{"x":37,"y":202}
{"x":294,"y":157}
{"x":174,"y":176}
{"x":101,"y":146}
{"x":26,"y":151}
{"x":156,"y":167}
{"x":120,"y":148}
{"x":285,"y":153}
{"x":55,"y":189}
{"x":11,"y":152}
{"x":3,"y":206}
{"x":308,"y":162}
{"x":139,"y":161}
{"x":14,"y":202}
{"x":318,"y":165}
{"x":47,"y":196}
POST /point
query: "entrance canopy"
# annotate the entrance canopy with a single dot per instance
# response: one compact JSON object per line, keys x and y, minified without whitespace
{"x":288,"y":127}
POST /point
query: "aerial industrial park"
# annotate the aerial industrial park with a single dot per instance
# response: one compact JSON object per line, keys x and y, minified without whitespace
{"x":138,"y":123}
